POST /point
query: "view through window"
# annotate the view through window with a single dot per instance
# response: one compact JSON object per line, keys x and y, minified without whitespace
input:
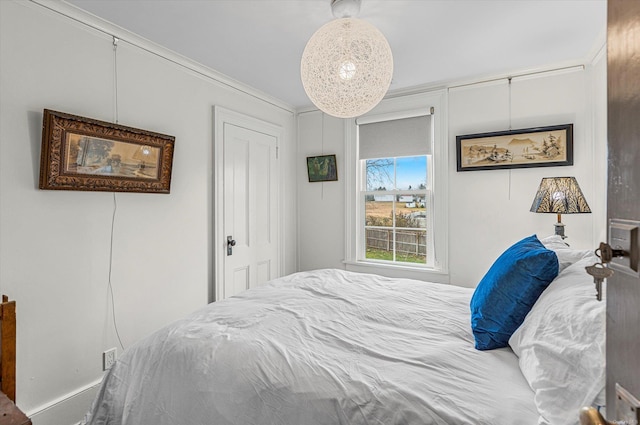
{"x":395,"y":205}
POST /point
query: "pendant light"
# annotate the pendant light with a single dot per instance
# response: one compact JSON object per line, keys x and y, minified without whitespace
{"x":347,"y":65}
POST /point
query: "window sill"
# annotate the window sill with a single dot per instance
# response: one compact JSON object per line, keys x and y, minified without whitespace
{"x":398,"y":271}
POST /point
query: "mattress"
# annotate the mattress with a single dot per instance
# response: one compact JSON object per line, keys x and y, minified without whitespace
{"x":321,"y":347}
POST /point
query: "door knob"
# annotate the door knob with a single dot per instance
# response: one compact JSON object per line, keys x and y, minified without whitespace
{"x":590,"y":416}
{"x":230,"y":244}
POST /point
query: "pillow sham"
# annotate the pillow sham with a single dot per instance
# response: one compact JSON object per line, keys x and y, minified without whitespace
{"x":507,"y":292}
{"x":566,"y":255}
{"x":561,"y":345}
{"x":554,"y":242}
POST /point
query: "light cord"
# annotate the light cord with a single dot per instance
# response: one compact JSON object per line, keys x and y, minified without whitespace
{"x":113,"y":301}
{"x":115,"y":202}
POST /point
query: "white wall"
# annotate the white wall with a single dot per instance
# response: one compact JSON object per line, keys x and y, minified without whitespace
{"x":489,"y":210}
{"x":54,"y":245}
{"x":321,"y":209}
{"x":598,"y":100}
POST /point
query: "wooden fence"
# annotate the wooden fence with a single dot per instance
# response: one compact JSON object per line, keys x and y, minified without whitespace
{"x":407,"y":241}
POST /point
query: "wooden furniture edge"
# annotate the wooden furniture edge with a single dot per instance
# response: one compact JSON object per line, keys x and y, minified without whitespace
{"x":8,"y":350}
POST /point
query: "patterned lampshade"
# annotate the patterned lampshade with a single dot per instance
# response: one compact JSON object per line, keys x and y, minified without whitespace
{"x":559,"y":195}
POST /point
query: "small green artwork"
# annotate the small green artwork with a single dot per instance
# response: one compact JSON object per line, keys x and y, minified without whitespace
{"x":322,"y":168}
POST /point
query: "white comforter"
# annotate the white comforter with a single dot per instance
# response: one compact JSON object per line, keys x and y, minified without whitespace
{"x":326,"y":347}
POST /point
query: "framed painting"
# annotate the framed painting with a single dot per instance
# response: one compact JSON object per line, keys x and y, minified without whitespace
{"x":81,"y":153}
{"x":322,"y":168}
{"x":530,"y":147}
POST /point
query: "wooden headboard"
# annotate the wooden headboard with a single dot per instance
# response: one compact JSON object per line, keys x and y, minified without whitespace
{"x":8,"y":350}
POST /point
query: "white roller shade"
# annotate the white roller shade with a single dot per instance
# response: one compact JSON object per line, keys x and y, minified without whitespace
{"x":401,"y":137}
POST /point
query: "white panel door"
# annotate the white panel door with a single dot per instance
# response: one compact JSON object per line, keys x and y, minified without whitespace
{"x":250,"y":201}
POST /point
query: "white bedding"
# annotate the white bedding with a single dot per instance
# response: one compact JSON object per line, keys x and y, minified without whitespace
{"x":323,"y":347}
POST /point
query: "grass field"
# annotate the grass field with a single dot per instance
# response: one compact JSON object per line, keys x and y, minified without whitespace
{"x":380,"y":254}
{"x":383,"y":209}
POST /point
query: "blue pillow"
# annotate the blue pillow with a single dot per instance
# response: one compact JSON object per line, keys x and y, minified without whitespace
{"x":507,"y":292}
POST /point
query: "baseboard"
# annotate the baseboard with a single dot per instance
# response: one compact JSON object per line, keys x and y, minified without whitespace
{"x":68,"y":409}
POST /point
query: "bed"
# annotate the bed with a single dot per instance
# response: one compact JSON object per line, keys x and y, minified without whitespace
{"x":333,"y":347}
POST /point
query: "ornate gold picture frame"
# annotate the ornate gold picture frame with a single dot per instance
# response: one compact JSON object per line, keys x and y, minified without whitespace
{"x":81,"y":153}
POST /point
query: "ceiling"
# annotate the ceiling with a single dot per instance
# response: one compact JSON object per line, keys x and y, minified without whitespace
{"x":260,"y":42}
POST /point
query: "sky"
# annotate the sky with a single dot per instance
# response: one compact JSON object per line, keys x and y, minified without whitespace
{"x":410,"y":171}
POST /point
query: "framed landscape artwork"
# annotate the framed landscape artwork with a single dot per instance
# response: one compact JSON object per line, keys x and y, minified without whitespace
{"x":85,"y":154}
{"x":322,"y":168}
{"x":529,"y":147}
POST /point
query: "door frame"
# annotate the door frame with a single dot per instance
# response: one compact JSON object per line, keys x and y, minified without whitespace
{"x":222,"y":116}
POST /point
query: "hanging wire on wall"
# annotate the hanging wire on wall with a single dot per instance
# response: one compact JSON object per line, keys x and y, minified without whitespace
{"x":509,"y":189}
{"x":115,"y":79}
{"x":115,"y":202}
{"x":322,"y":149}
{"x":510,"y":78}
{"x":322,"y":134}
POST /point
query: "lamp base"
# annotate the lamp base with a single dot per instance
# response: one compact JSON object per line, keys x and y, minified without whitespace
{"x":560,"y":230}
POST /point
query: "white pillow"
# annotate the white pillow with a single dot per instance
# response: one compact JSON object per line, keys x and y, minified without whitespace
{"x":554,"y":242}
{"x":561,"y":345}
{"x":566,"y":255}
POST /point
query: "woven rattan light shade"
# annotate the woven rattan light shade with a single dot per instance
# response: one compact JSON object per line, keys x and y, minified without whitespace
{"x":346,"y":67}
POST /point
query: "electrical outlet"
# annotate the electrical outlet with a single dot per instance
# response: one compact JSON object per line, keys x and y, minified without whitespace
{"x":109,"y":358}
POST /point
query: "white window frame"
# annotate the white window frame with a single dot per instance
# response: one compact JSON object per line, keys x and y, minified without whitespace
{"x":438,"y":168}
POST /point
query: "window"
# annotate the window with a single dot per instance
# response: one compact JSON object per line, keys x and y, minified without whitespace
{"x":394,"y":190}
{"x":396,"y":196}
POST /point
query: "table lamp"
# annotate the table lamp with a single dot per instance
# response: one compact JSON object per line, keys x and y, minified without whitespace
{"x":560,"y":195}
